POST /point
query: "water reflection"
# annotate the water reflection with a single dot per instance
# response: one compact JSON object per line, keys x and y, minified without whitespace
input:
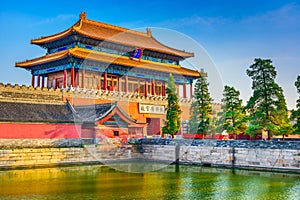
{"x":137,"y":166}
{"x":172,"y":182}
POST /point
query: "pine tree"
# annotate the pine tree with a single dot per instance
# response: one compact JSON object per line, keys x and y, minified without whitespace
{"x":201,"y":108}
{"x":173,"y":120}
{"x":267,"y":106}
{"x":233,"y":115}
{"x":213,"y":125}
{"x":296,"y":114}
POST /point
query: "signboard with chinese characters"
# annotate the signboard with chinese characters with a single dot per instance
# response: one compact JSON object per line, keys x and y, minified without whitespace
{"x":138,"y":53}
{"x":154,"y":109}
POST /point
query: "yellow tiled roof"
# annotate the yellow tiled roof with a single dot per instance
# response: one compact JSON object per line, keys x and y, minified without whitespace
{"x":109,"y":58}
{"x":119,"y":35}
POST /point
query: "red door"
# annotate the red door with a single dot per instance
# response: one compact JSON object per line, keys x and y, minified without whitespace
{"x":153,"y":127}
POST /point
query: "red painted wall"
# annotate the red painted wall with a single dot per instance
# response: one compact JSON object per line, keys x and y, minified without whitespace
{"x":109,"y":132}
{"x":34,"y":130}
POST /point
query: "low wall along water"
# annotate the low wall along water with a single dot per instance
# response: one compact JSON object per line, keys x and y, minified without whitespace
{"x":242,"y":154}
{"x":275,"y":156}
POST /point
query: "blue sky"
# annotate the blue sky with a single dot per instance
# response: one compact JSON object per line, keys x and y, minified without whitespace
{"x":232,"y":33}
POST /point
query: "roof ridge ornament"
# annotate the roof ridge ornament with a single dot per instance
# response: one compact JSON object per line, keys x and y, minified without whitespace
{"x":82,"y":15}
{"x":78,"y":25}
{"x":149,"y":32}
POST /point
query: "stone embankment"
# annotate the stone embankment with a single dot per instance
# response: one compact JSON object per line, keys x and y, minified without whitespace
{"x":54,"y":156}
{"x":272,"y":156}
{"x":264,"y":155}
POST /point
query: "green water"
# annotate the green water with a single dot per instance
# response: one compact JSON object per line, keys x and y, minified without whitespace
{"x":172,"y":182}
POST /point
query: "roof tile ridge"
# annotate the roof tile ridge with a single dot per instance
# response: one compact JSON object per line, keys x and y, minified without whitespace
{"x":191,"y":70}
{"x":119,"y":28}
{"x":74,"y":49}
{"x":73,"y":110}
{"x":111,"y":109}
{"x":44,"y":56}
{"x":73,"y":28}
{"x":77,"y":25}
{"x":53,"y":35}
{"x":77,"y":50}
{"x":172,"y":48}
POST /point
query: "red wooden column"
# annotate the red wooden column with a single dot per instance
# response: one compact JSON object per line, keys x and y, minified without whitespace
{"x":39,"y":81}
{"x":184,"y":90}
{"x":82,"y":78}
{"x":43,"y":81}
{"x":163,"y":89}
{"x":72,"y":76}
{"x":76,"y":78}
{"x":105,"y":81}
{"x":146,"y":88}
{"x":65,"y":78}
{"x":119,"y":84}
{"x":152,"y":87}
{"x":32,"y":80}
{"x":126,"y":83}
{"x":191,"y":89}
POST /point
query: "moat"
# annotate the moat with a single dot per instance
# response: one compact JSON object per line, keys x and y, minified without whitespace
{"x":171,"y":182}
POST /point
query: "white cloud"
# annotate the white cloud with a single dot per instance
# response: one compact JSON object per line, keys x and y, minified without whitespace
{"x":284,"y":17}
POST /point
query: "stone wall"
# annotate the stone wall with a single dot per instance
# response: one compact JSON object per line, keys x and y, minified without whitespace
{"x":23,"y":93}
{"x":81,"y":96}
{"x":242,"y":154}
{"x":29,"y":94}
{"x":274,"y":144}
{"x":284,"y":158}
{"x":163,"y":153}
{"x":281,"y":159}
{"x":270,"y":159}
{"x":30,"y":157}
{"x":37,"y":157}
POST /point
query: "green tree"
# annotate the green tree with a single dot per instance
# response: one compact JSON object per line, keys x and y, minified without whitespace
{"x":233,"y":115}
{"x":213,"y":125}
{"x":201,"y":108}
{"x":296,"y":113}
{"x":173,"y":120}
{"x":267,"y":106}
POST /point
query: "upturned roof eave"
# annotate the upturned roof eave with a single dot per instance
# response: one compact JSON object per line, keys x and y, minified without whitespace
{"x":77,"y":27}
{"x":105,"y":57}
{"x":43,"y":59}
{"x":43,"y":40}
